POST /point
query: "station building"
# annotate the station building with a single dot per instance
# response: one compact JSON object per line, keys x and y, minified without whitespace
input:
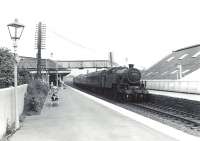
{"x":50,"y":70}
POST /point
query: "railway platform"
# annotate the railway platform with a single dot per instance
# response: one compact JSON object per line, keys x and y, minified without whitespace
{"x":187,"y":96}
{"x":81,"y":117}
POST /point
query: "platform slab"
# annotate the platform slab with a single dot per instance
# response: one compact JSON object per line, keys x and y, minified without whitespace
{"x":78,"y":118}
{"x":195,"y":97}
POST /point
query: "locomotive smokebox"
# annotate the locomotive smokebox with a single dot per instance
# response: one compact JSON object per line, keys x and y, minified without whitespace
{"x":130,"y":65}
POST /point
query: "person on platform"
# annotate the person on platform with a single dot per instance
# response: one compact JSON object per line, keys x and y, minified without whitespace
{"x":54,"y":97}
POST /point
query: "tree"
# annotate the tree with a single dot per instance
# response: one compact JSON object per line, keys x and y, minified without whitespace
{"x":7,"y":70}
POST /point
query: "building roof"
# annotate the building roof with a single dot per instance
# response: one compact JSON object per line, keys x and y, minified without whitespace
{"x":167,"y":68}
{"x":30,"y":63}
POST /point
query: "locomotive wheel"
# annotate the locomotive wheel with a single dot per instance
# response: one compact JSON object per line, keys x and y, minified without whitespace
{"x":141,"y":97}
{"x":116,"y":96}
{"x":109,"y":94}
{"x":129,"y":98}
{"x":103,"y":91}
{"x":122,"y":98}
{"x":125,"y":97}
{"x":146,"y":98}
{"x":135,"y":97}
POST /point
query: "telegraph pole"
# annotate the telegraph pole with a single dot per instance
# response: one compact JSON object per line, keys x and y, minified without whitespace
{"x":40,"y":44}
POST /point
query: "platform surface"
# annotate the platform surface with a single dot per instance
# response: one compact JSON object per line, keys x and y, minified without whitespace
{"x":195,"y":97}
{"x":78,"y":118}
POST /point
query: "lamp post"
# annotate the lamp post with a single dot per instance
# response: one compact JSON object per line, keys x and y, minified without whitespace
{"x":15,"y":30}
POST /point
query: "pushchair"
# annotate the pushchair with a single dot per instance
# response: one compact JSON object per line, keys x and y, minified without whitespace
{"x":54,"y":100}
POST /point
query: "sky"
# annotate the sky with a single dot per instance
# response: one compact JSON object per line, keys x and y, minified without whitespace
{"x":140,"y":32}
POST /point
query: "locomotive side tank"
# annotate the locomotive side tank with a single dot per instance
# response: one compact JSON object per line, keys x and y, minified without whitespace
{"x":119,"y":83}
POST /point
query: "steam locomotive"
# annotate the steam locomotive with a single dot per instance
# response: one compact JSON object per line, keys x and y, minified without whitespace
{"x":119,"y":83}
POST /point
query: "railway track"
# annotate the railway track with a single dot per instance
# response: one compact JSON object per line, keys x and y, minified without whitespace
{"x":173,"y":114}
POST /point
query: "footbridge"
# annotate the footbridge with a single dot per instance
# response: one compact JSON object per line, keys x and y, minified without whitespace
{"x":84,"y":64}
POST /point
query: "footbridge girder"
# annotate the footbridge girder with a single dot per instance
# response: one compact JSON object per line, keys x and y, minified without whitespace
{"x":84,"y":64}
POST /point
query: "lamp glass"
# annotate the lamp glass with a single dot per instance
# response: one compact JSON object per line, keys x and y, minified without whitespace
{"x":15,"y":30}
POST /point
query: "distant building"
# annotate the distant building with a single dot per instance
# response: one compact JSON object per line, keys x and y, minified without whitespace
{"x":181,"y":64}
{"x":50,"y":68}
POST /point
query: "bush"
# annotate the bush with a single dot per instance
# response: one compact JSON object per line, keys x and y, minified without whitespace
{"x":36,"y":87}
{"x":24,"y":76}
{"x":39,"y":91}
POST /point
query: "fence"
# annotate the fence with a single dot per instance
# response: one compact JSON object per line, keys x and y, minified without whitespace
{"x":174,"y":85}
{"x":7,"y":107}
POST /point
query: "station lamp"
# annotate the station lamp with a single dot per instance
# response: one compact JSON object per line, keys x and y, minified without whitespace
{"x":15,"y":30}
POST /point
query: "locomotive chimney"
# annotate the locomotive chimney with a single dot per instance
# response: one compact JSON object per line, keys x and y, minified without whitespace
{"x":130,"y":66}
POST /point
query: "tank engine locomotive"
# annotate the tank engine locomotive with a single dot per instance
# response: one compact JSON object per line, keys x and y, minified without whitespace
{"x":119,"y":83}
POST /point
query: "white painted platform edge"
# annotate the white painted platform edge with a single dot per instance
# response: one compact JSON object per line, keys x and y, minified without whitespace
{"x":172,"y":132}
{"x":194,"y":97}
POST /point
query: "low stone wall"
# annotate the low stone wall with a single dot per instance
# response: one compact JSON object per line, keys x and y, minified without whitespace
{"x":7,"y":106}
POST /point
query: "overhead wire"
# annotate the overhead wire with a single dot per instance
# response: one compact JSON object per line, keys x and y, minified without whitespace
{"x":75,"y":43}
{"x":72,"y":41}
